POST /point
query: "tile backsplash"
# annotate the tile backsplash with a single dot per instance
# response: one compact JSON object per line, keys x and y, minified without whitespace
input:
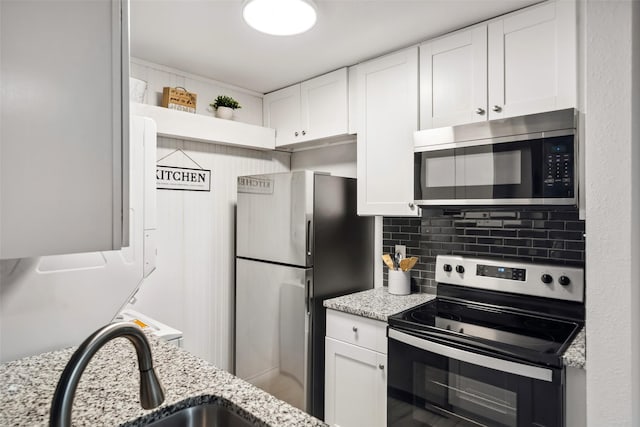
{"x":549,"y":236}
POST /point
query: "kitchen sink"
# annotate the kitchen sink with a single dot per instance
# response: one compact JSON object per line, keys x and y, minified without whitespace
{"x":203,"y":415}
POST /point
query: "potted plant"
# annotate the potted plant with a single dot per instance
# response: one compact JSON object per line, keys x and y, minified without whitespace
{"x":224,"y":106}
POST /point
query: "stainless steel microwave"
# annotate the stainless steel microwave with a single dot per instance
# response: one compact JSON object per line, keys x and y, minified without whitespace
{"x":526,"y":160}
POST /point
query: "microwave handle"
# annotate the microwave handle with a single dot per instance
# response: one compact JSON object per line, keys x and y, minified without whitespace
{"x":523,"y":370}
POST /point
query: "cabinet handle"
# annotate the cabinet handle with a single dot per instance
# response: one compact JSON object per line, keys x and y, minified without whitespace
{"x":354,"y":329}
{"x":295,"y":133}
{"x":381,"y":366}
{"x":304,"y":132}
{"x":497,"y":108}
{"x":480,"y":111}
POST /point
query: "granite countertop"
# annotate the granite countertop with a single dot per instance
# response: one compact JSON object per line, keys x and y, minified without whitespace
{"x":108,"y":390}
{"x":576,"y":353}
{"x":376,"y":303}
{"x":379,"y":304}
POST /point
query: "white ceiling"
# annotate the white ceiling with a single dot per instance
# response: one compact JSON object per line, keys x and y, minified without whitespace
{"x":210,"y":39}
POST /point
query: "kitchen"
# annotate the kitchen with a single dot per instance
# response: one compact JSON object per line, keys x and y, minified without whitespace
{"x":606,"y":92}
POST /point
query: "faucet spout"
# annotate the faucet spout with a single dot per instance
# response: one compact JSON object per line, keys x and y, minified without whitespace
{"x":151,"y":393}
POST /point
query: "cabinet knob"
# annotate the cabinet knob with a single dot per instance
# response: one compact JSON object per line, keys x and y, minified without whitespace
{"x":497,"y":108}
{"x":354,"y":329}
{"x":295,"y":133}
{"x":480,"y":111}
{"x":304,"y":132}
{"x":381,"y":366}
{"x":411,"y":205}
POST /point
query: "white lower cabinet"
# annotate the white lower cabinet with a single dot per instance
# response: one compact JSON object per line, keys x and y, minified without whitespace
{"x":355,"y":376}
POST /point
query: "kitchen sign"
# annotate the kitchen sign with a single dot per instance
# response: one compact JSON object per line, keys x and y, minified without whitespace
{"x":186,"y":179}
{"x":255,"y":185}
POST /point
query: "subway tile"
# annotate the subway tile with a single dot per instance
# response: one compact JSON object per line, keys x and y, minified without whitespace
{"x":464,"y":239}
{"x":453,"y":246}
{"x":517,"y":242}
{"x":504,"y":250}
{"x":517,"y":223}
{"x":477,"y":232}
{"x":574,"y":246}
{"x":575,"y":225}
{"x":538,"y":234}
{"x":532,"y":215}
{"x":412,"y":229}
{"x":568,"y":255}
{"x":477,"y":248}
{"x":504,"y":233}
{"x":538,"y":252}
{"x":564,"y":215}
{"x":566,"y":235}
{"x":490,"y":241}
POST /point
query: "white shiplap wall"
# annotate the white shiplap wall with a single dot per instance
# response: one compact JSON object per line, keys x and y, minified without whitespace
{"x":193,"y":286}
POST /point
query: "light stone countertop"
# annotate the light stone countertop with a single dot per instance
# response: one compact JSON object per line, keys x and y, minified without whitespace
{"x":379,"y":304}
{"x":376,"y":303}
{"x":575,"y":355}
{"x":108,"y":391}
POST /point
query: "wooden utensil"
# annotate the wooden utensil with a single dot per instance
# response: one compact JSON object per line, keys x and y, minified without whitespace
{"x":408,"y":263}
{"x":387,"y":260}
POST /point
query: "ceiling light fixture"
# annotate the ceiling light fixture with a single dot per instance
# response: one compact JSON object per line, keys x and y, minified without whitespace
{"x":280,"y":17}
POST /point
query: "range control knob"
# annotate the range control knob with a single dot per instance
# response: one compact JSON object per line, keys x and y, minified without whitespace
{"x":460,"y":269}
{"x":447,"y":267}
{"x":564,"y":280}
{"x":546,"y":278}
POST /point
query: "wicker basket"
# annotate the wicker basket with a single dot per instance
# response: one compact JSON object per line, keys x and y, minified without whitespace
{"x":177,"y":98}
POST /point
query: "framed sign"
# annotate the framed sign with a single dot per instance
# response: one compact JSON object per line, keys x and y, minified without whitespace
{"x":186,"y":179}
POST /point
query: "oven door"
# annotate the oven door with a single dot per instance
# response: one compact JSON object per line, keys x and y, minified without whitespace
{"x":535,"y":171}
{"x":434,"y":384}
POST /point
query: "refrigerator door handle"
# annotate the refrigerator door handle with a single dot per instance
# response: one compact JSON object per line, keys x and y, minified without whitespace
{"x":309,"y":238}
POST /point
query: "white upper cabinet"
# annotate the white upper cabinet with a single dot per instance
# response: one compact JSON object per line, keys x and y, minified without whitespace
{"x":522,"y":63}
{"x":281,"y":111}
{"x":65,"y":127}
{"x":312,"y":110}
{"x":453,"y":79}
{"x":532,"y":61}
{"x":388,"y":116}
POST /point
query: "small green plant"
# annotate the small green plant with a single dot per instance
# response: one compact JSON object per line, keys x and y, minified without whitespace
{"x":225,"y":101}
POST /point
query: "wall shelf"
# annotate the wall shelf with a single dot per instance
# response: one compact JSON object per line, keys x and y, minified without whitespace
{"x":197,"y":127}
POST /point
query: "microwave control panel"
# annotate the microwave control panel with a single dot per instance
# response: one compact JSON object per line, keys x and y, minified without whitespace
{"x":558,"y":167}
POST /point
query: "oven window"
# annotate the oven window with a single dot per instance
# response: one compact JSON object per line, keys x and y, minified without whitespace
{"x":426,"y":389}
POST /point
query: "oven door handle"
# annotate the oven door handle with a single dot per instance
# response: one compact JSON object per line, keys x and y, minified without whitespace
{"x":521,"y":369}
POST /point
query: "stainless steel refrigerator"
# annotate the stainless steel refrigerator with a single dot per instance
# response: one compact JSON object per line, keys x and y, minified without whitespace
{"x":299,"y":241}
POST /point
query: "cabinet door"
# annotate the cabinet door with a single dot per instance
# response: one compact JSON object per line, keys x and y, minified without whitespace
{"x":355,"y":385}
{"x":64,"y":134}
{"x":281,"y":111}
{"x":388,"y":117}
{"x":325,"y":109}
{"x":532,"y":61}
{"x":453,"y":79}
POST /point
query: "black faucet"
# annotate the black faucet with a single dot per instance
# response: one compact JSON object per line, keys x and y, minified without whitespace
{"x":151,"y":393}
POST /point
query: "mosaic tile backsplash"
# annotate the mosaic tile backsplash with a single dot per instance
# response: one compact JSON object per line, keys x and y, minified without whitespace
{"x":549,"y":236}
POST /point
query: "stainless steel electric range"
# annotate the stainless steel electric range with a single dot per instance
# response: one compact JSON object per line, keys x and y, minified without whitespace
{"x":488,"y":350}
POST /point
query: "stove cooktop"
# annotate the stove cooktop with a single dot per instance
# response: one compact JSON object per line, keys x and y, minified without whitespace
{"x":516,"y":334}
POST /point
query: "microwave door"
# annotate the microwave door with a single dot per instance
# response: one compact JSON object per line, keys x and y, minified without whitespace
{"x":437,"y":175}
{"x":495,"y":172}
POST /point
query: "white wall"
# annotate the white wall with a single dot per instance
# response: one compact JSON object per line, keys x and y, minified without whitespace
{"x":613,"y":212}
{"x":338,"y":159}
{"x":193,"y":286}
{"x":158,"y":76}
